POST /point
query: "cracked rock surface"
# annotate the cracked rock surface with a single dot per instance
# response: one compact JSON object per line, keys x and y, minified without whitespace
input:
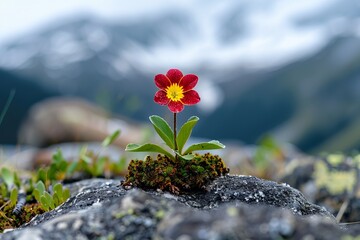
{"x":233,"y":207}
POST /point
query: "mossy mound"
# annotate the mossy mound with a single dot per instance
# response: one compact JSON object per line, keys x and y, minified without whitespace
{"x":175,"y":176}
{"x":10,"y":220}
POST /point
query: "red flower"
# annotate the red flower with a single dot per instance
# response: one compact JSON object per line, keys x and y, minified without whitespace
{"x":176,"y":90}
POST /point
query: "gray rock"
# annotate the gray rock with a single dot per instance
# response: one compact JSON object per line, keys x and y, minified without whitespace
{"x":62,"y":119}
{"x":18,"y":157}
{"x":332,"y":181}
{"x":233,"y":207}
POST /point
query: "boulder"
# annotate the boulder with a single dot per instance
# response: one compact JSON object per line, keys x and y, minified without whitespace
{"x":62,"y":119}
{"x":232,"y":207}
{"x":332,"y":181}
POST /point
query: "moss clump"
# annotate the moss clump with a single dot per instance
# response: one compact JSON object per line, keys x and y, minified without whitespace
{"x":175,"y":176}
{"x":9,"y":220}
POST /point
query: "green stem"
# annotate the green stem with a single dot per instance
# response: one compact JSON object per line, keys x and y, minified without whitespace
{"x":175,"y":142}
{"x":6,"y":107}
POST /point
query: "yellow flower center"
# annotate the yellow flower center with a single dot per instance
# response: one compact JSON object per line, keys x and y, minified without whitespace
{"x":174,"y":92}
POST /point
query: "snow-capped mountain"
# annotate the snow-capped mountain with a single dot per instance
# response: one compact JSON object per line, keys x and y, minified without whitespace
{"x":236,"y":48}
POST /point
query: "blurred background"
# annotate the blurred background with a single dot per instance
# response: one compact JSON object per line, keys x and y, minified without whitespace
{"x":285,"y":69}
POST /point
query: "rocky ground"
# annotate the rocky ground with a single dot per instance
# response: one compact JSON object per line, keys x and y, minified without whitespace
{"x":232,"y":207}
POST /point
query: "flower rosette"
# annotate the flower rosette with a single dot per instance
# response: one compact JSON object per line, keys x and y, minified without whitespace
{"x":175,"y":91}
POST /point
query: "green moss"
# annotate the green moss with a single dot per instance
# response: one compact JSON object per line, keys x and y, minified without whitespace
{"x":175,"y":176}
{"x":9,"y":220}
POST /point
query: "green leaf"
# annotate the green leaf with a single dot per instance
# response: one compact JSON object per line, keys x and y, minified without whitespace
{"x":53,"y":172}
{"x":36,"y":194}
{"x":147,"y":147}
{"x":7,"y":176}
{"x":49,"y":200}
{"x":110,"y":139}
{"x":14,"y":197}
{"x":185,"y":132}
{"x":71,"y":169}
{"x":187,"y":156}
{"x":205,"y":146}
{"x":4,"y":190}
{"x":58,"y":157}
{"x":40,"y":186}
{"x":41,"y":175}
{"x":58,"y":189}
{"x":66,"y":194}
{"x":99,"y":167}
{"x":83,"y":155}
{"x":60,"y":194}
{"x":44,"y":203}
{"x":163,"y":129}
{"x":17,"y":180}
{"x":56,"y":199}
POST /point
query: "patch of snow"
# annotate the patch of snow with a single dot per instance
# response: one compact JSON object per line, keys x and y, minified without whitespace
{"x":64,"y":49}
{"x":121,"y":65}
{"x":271,"y":34}
{"x":266,"y":43}
{"x":211,"y":95}
{"x":96,"y":37}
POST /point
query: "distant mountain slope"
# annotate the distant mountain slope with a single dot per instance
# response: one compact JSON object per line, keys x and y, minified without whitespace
{"x":312,"y":102}
{"x":26,"y":94}
{"x":89,"y":58}
{"x":307,"y":102}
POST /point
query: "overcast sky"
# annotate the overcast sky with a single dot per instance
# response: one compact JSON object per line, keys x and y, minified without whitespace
{"x":20,"y":16}
{"x":273,"y":35}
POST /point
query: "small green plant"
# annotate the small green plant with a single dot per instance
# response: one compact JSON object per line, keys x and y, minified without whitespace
{"x":175,"y":91}
{"x":21,"y":200}
{"x":268,"y":160}
{"x":17,"y":203}
{"x":9,"y":182}
{"x":88,"y":164}
{"x":14,"y":197}
{"x":46,"y":200}
{"x":96,"y":165}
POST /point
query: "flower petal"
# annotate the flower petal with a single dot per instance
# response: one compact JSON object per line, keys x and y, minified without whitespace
{"x":190,"y":98}
{"x":175,"y":107}
{"x":162,"y":81}
{"x":188,"y":82}
{"x":161,"y":98}
{"x":174,"y":75}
